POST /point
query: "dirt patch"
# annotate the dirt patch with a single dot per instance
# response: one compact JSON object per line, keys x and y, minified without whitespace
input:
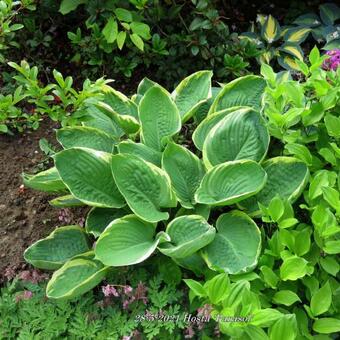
{"x":25,"y":215}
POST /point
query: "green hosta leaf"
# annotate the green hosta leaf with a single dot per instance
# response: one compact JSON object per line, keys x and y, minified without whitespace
{"x":76,"y":277}
{"x":321,"y":300}
{"x":66,"y":202}
{"x":293,"y":49}
{"x":144,"y":85}
{"x":145,"y":187}
{"x":48,"y":180}
{"x":329,"y":13}
{"x":159,"y":117}
{"x":199,"y":209}
{"x":195,"y":263}
{"x":201,"y":132}
{"x":191,"y":92}
{"x":127,"y":240}
{"x":127,"y":123}
{"x":57,"y":248}
{"x":110,"y":30}
{"x":188,"y":234}
{"x":297,"y":35}
{"x":99,"y":218}
{"x":240,"y":135}
{"x":236,"y":246}
{"x":231,"y":182}
{"x":287,"y":178}
{"x":87,"y":174}
{"x":271,"y":29}
{"x":284,"y":329}
{"x":244,"y":91}
{"x":327,"y":325}
{"x":140,"y":150}
{"x":87,"y":137}
{"x":203,"y":109}
{"x":185,"y":171}
{"x":285,"y":297}
{"x":293,"y":268}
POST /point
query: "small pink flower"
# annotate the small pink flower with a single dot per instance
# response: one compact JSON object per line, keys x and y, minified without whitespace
{"x":128,"y":289}
{"x":333,"y":62}
{"x":109,"y":290}
{"x":190,"y":333}
{"x":25,"y":295}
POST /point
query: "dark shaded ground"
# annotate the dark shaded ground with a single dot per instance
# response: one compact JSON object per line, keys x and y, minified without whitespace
{"x":25,"y":215}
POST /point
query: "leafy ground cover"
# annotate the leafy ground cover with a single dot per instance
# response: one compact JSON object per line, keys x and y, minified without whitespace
{"x":200,"y":202}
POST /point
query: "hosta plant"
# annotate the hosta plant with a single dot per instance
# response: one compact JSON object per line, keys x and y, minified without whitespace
{"x":153,"y":188}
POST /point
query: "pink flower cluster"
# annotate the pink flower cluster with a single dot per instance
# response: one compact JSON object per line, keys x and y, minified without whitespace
{"x":333,"y":62}
{"x":127,"y":293}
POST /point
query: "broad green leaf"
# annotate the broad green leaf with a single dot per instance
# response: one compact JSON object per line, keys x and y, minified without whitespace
{"x":57,"y":248}
{"x":287,"y":177}
{"x":243,"y":91}
{"x":76,"y":277}
{"x":87,"y":137}
{"x":321,"y":300}
{"x":333,"y":125}
{"x":159,"y":117}
{"x":121,"y":39}
{"x":145,"y":187}
{"x":196,"y":287}
{"x":203,"y":109}
{"x":199,"y":209}
{"x":191,"y":92}
{"x":185,"y":171}
{"x":330,"y":265}
{"x":195,"y":263}
{"x":68,"y":6}
{"x":87,"y":174}
{"x":47,"y":180}
{"x":110,"y":30}
{"x":127,"y":240}
{"x":293,"y":268}
{"x":231,"y":182}
{"x":66,"y":202}
{"x":140,"y":150}
{"x":285,"y":297}
{"x":123,"y":14}
{"x":127,"y":123}
{"x":271,"y":29}
{"x":188,"y":234}
{"x":99,"y":218}
{"x":143,"y":30}
{"x":284,"y":329}
{"x":265,"y":317}
{"x":327,"y":326}
{"x":288,"y":63}
{"x":236,"y":246}
{"x":217,"y":288}
{"x":240,"y":135}
{"x":203,"y":129}
{"x":144,"y":86}
{"x":269,"y":277}
{"x":329,"y":13}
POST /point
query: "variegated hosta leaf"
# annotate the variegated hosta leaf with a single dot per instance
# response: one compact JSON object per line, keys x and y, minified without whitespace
{"x":236,"y":246}
{"x":329,"y":13}
{"x":293,"y":49}
{"x":159,"y":117}
{"x":99,"y":218}
{"x":48,"y":180}
{"x":57,"y":248}
{"x":87,"y":174}
{"x":244,"y":91}
{"x":288,"y":63}
{"x":129,"y":124}
{"x":270,"y":29}
{"x":66,"y":202}
{"x":203,"y":109}
{"x":191,"y":92}
{"x":188,"y":234}
{"x":231,"y":182}
{"x":199,"y":209}
{"x":143,"y":86}
{"x":240,"y":135}
{"x":127,"y":240}
{"x":87,"y":137}
{"x":287,"y":177}
{"x":297,"y":35}
{"x":194,"y":262}
{"x":145,"y":187}
{"x":140,"y":150}
{"x":185,"y":170}
{"x":203,"y":129}
{"x":307,"y":20}
{"x":76,"y":277}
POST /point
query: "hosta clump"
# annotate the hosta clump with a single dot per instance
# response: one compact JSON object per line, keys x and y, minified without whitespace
{"x":150,"y":194}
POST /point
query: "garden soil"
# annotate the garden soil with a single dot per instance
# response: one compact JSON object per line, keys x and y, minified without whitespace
{"x":25,"y":215}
